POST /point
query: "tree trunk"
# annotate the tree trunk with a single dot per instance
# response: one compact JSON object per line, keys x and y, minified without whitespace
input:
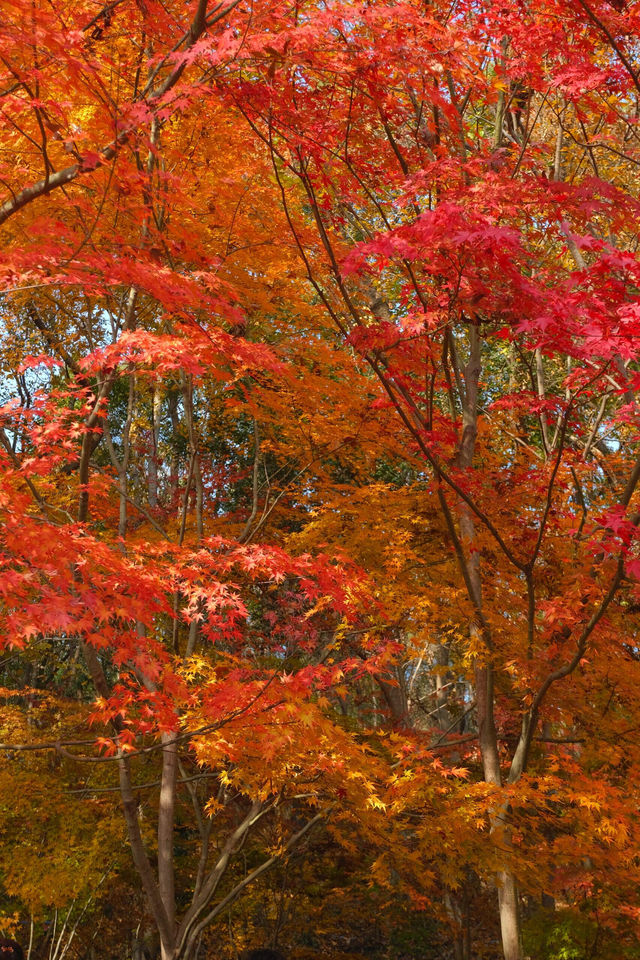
{"x":166,"y":818}
{"x":154,"y":440}
{"x":481,"y":636}
{"x":509,"y":916}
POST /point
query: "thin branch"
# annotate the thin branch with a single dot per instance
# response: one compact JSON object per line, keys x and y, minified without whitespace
{"x":253,"y":875}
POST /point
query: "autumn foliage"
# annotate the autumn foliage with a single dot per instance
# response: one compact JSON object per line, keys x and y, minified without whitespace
{"x":319,"y":558}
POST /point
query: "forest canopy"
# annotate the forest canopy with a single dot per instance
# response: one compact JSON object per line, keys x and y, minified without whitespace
{"x":319,"y":509}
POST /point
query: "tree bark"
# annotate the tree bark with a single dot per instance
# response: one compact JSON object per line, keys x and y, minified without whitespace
{"x":166,"y":819}
{"x":509,"y":915}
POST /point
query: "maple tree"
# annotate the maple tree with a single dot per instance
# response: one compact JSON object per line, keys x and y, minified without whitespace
{"x":440,"y":175}
{"x":188,"y":630}
{"x":318,"y":449}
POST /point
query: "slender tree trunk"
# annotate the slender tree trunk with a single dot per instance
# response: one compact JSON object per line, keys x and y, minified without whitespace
{"x":453,"y":913}
{"x":154,"y":440}
{"x":173,"y":398}
{"x":481,"y":637}
{"x":166,"y":820}
{"x":199,"y":488}
{"x":443,"y":683}
{"x":509,"y":915}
